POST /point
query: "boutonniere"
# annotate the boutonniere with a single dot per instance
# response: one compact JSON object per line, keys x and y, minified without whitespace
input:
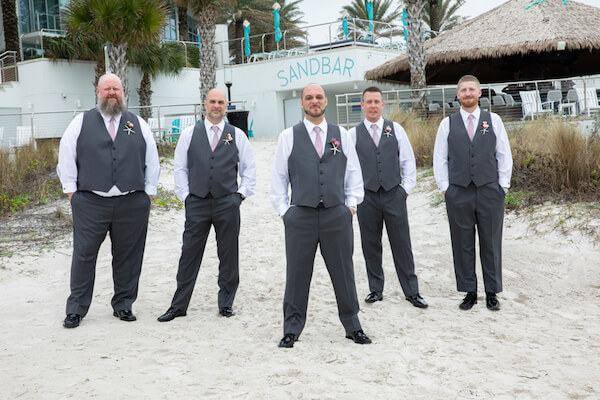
{"x":129,"y":128}
{"x":228,"y":139}
{"x":484,"y":126}
{"x":387,"y":131}
{"x":335,"y":146}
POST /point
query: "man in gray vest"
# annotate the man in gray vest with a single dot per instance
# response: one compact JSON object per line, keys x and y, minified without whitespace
{"x":207,"y":159}
{"x":319,"y":162}
{"x":108,"y":165}
{"x":472,"y":165}
{"x":389,"y":173}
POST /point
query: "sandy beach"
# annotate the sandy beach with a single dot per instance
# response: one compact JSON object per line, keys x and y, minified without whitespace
{"x":542,"y":344}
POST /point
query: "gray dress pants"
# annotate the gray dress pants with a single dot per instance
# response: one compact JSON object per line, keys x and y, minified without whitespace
{"x":125,"y":218}
{"x":331,"y":229}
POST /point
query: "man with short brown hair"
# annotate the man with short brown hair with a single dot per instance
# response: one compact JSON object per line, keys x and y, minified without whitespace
{"x":472,"y":165}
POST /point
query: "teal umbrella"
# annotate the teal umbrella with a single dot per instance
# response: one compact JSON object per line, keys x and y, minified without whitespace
{"x":370,"y":14}
{"x":246,"y":37}
{"x":276,"y":17}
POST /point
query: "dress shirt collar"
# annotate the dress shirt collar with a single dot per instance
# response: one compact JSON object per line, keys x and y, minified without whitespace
{"x":107,"y":118}
{"x":465,"y":115}
{"x":379,"y":124}
{"x":310,"y":126}
{"x":208,"y":126}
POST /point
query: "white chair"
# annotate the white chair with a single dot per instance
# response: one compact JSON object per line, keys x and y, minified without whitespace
{"x":158,"y":127}
{"x":24,"y":136}
{"x":433,"y":107}
{"x":1,"y":135}
{"x":187,"y":120}
{"x":588,"y":101}
{"x":532,"y":104}
{"x":509,"y":100}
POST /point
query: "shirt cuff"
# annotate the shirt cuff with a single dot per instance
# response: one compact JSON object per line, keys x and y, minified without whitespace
{"x":351,"y":201}
{"x":283,"y":209}
{"x":151,"y":190}
{"x":70,"y":187}
{"x":443,"y":187}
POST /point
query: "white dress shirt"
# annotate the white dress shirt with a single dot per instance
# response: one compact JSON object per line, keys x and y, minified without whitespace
{"x":353,"y":182}
{"x":406,"y":157}
{"x":67,"y":157}
{"x":247,"y":164}
{"x":503,"y":153}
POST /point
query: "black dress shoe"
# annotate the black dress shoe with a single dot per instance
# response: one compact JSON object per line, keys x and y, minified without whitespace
{"x":72,"y":321}
{"x":171,"y":314}
{"x":373,"y":297}
{"x":417,"y":301}
{"x":469,"y":301}
{"x":227,"y":312}
{"x":491,"y":301}
{"x":358,"y":337}
{"x":125,"y":315}
{"x":288,"y":340}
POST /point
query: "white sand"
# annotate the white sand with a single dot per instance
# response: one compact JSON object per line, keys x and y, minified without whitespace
{"x":543,"y":344}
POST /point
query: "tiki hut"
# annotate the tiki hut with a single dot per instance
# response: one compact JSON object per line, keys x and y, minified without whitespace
{"x":548,"y":40}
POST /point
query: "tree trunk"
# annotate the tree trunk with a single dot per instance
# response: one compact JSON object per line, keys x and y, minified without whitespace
{"x":238,"y":34}
{"x":11,"y":26}
{"x":99,"y":70}
{"x":434,"y":17}
{"x":416,"y":53}
{"x":117,"y":56}
{"x":145,"y":93}
{"x":208,"y":62}
{"x":183,"y":23}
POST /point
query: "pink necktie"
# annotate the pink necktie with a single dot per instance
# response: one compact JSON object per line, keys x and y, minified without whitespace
{"x":375,"y":135}
{"x":471,"y":127}
{"x":318,"y":141}
{"x":215,"y":141}
{"x":111,"y":129}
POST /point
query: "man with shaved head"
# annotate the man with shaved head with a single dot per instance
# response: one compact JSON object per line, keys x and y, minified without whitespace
{"x":108,"y":165}
{"x":208,"y":158}
{"x":319,"y":162}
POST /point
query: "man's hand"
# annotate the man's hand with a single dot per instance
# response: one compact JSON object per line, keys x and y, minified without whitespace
{"x":70,"y":195}
{"x":150,"y":198}
{"x":352,"y":209}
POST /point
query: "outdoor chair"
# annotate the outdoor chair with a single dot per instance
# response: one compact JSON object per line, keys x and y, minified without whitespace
{"x":158,"y":127}
{"x":24,"y":136}
{"x":433,"y":107}
{"x":498,"y":100}
{"x":1,"y":135}
{"x":571,"y":103}
{"x":554,"y":96}
{"x":532,"y":105}
{"x":588,"y":101}
{"x":484,"y":103}
{"x":509,"y":100}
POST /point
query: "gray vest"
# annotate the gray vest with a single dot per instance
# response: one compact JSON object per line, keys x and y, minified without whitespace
{"x":316,"y":180}
{"x":212,"y":172}
{"x":472,"y":161}
{"x":102,"y":164}
{"x":380,"y":165}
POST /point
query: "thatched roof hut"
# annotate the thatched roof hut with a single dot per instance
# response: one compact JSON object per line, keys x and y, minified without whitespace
{"x":509,"y":43}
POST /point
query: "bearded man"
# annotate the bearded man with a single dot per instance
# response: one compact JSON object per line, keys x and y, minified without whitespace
{"x":108,"y":166}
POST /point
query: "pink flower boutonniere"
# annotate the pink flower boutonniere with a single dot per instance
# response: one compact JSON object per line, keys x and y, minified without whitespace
{"x":387,"y":131}
{"x":335,"y":146}
{"x":129,"y":128}
{"x":484,"y":126}
{"x":228,"y":139}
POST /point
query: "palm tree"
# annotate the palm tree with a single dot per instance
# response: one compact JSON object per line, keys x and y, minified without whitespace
{"x":206,"y":13}
{"x":383,"y":11}
{"x":154,"y":59}
{"x":11,"y":26}
{"x":440,"y":15}
{"x":416,"y":51}
{"x":77,"y":46}
{"x":182,"y":18}
{"x":121,"y":23}
{"x":258,"y":12}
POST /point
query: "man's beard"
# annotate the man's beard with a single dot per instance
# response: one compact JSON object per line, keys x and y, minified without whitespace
{"x":109,"y":109}
{"x":314,"y":114}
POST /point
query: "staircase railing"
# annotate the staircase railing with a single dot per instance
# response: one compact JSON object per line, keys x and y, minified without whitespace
{"x":9,"y":71}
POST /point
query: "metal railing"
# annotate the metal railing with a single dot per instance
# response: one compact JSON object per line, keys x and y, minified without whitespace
{"x":573,"y":98}
{"x":9,"y":71}
{"x":167,"y":122}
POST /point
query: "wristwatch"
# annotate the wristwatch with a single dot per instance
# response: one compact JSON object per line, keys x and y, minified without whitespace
{"x":242,"y":196}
